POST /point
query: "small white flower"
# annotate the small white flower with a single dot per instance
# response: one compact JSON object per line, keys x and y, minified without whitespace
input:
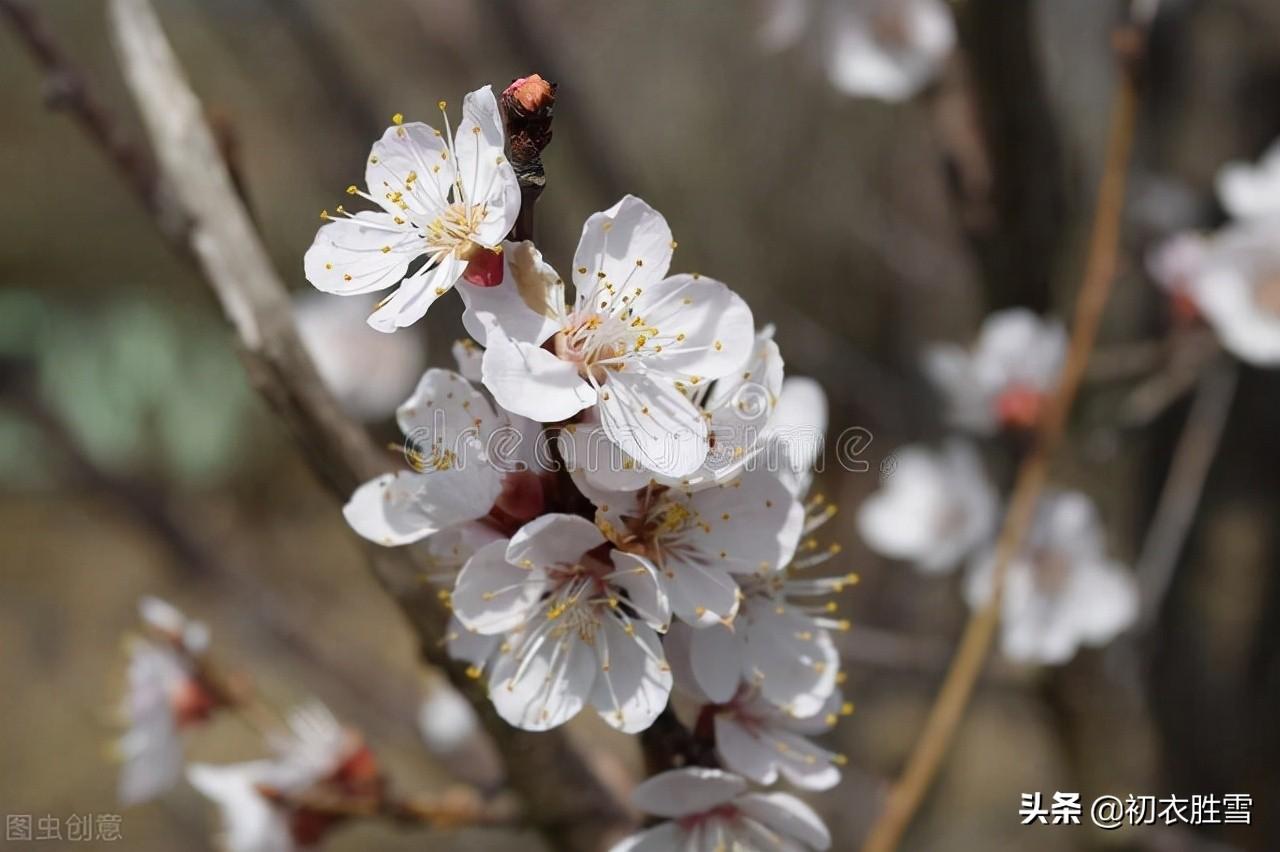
{"x":579,"y":623}
{"x":1237,"y":289}
{"x":1249,"y":191}
{"x":632,"y":346}
{"x":256,"y":798}
{"x":444,"y":203}
{"x":165,"y":696}
{"x":1175,"y":265}
{"x":797,"y":428}
{"x":709,"y":810}
{"x":933,"y":507}
{"x":701,"y":541}
{"x":888,"y":49}
{"x":368,"y":372}
{"x":780,"y":642}
{"x":755,"y":737}
{"x":1003,"y":381}
{"x":1061,"y":591}
{"x":467,"y":460}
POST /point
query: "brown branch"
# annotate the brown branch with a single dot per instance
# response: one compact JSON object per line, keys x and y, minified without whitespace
{"x":953,"y":697}
{"x":561,"y":792}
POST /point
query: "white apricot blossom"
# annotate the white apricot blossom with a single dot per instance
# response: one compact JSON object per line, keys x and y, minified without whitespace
{"x":369,"y":373}
{"x":703,"y":540}
{"x":797,"y":430}
{"x":933,"y":507}
{"x":1061,"y":591}
{"x":166,"y":696}
{"x":1251,"y":191}
{"x":885,"y":49}
{"x":780,"y":644}
{"x":1004,"y":380}
{"x":446,"y":201}
{"x":257,"y":800}
{"x":738,"y":409}
{"x":468,"y":461}
{"x":579,"y":623}
{"x":709,"y":810}
{"x":631,"y":347}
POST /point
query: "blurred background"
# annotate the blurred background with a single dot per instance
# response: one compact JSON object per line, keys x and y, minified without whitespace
{"x":135,"y":459}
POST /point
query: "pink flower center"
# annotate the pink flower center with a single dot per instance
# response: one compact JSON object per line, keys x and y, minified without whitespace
{"x":192,"y":703}
{"x":1019,"y":407}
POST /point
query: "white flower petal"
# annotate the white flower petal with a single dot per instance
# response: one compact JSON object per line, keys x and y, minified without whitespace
{"x":416,"y":294}
{"x":651,"y":421}
{"x":487,"y":177}
{"x":715,"y":659}
{"x":445,"y":409}
{"x":699,"y":594}
{"x":706,"y":329}
{"x":530,"y":381}
{"x":362,"y":254}
{"x":645,"y":595}
{"x":634,"y":681}
{"x":794,"y":665}
{"x":414,"y":150}
{"x":613,"y":241}
{"x":1249,"y":191}
{"x":554,"y":539}
{"x":468,"y":356}
{"x":541,"y":687}
{"x":493,"y":596}
{"x":250,"y":823}
{"x":787,"y":815}
{"x":754,"y":520}
{"x":597,"y":463}
{"x":663,"y":837}
{"x":522,"y":306}
{"x":684,"y":792}
{"x":399,"y":508}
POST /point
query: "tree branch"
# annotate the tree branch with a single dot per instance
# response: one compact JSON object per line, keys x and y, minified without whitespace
{"x":562,"y":794}
{"x":953,"y":697}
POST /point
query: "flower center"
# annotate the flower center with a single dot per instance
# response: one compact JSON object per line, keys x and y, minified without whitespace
{"x":452,"y":231}
{"x":593,"y":342}
{"x":1019,"y":407}
{"x":191,"y":702}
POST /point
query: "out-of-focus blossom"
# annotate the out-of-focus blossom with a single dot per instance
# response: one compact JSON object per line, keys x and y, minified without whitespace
{"x":886,"y":49}
{"x":263,"y":802}
{"x":798,"y":430}
{"x":579,"y":622}
{"x":1062,"y":590}
{"x":446,"y":206}
{"x":709,"y":810}
{"x":369,"y":373}
{"x":1003,"y":381}
{"x":166,"y":695}
{"x":933,"y":509}
{"x":451,"y":731}
{"x":468,"y":462}
{"x":1251,"y":191}
{"x":1175,"y":265}
{"x":631,"y":347}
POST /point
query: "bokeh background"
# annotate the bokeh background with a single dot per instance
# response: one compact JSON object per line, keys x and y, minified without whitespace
{"x":135,"y":459}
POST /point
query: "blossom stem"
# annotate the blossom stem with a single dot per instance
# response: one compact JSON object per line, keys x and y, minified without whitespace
{"x":957,"y":688}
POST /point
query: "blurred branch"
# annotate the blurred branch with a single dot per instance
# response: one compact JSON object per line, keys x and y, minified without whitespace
{"x":1100,"y":270}
{"x":562,"y":794}
{"x":66,"y":90}
{"x":1003,"y":152}
{"x":1192,"y":459}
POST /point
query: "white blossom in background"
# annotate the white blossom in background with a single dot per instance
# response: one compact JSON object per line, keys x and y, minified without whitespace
{"x":1175,"y":266}
{"x":933,"y":507}
{"x":579,"y":624}
{"x":1251,"y":191}
{"x":703,"y":541}
{"x":1005,"y":379}
{"x":467,"y":460}
{"x":631,"y":347}
{"x":798,"y":430}
{"x":316,"y":755}
{"x":165,"y":696}
{"x":780,"y":643}
{"x":369,"y":373}
{"x":885,"y":49}
{"x":446,"y":202}
{"x":1062,"y":590}
{"x":709,"y":810}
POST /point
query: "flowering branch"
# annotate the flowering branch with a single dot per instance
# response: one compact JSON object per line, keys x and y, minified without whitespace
{"x":562,"y":793}
{"x":953,"y":697}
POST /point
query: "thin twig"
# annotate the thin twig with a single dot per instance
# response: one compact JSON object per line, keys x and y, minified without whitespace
{"x":1197,"y":446}
{"x":953,"y":697}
